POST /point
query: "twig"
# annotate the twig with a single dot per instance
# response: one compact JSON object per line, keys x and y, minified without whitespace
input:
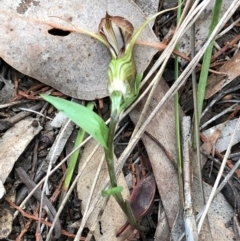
{"x":64,"y":232}
{"x":36,"y":112}
{"x":45,"y":203}
{"x":229,"y":109}
{"x":14,"y":103}
{"x":189,"y":219}
{"x":218,"y":97}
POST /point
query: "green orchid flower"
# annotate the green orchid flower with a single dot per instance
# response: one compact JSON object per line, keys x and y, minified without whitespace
{"x":122,"y":87}
{"x":117,"y":33}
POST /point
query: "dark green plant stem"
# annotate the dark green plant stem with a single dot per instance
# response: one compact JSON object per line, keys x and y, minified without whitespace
{"x":109,"y":154}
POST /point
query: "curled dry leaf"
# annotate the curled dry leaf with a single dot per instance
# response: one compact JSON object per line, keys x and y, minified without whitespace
{"x":66,"y":60}
{"x":141,"y":198}
{"x":142,"y":195}
{"x":216,"y":82}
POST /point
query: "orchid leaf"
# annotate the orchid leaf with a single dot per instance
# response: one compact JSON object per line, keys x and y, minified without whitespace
{"x":112,"y":191}
{"x":74,"y":157}
{"x":83,"y":117}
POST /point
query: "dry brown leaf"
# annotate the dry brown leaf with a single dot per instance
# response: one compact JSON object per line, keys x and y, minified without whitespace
{"x":113,"y":217}
{"x":143,"y":195}
{"x":141,"y":199}
{"x":216,"y":82}
{"x":74,"y":64}
{"x":14,"y":142}
{"x":162,"y":128}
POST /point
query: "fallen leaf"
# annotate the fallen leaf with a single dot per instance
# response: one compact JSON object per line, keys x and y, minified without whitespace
{"x":143,"y":195}
{"x":162,"y":231}
{"x":13,"y":143}
{"x":219,"y":214}
{"x":209,"y":145}
{"x":216,"y":82}
{"x":74,"y":64}
{"x":162,"y":127}
{"x":58,"y":144}
{"x":149,"y":8}
{"x":141,"y":199}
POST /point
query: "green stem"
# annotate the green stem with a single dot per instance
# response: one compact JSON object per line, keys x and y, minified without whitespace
{"x":109,"y":153}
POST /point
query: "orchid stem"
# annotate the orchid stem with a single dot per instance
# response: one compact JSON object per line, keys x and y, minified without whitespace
{"x":109,"y":154}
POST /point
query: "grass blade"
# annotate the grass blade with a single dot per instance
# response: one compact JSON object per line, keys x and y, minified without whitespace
{"x":207,"y":58}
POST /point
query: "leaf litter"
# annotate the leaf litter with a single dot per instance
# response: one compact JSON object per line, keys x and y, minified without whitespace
{"x":170,"y":173}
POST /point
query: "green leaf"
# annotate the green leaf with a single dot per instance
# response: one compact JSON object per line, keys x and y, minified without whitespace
{"x":74,"y":157}
{"x":112,"y":191}
{"x":83,"y":117}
